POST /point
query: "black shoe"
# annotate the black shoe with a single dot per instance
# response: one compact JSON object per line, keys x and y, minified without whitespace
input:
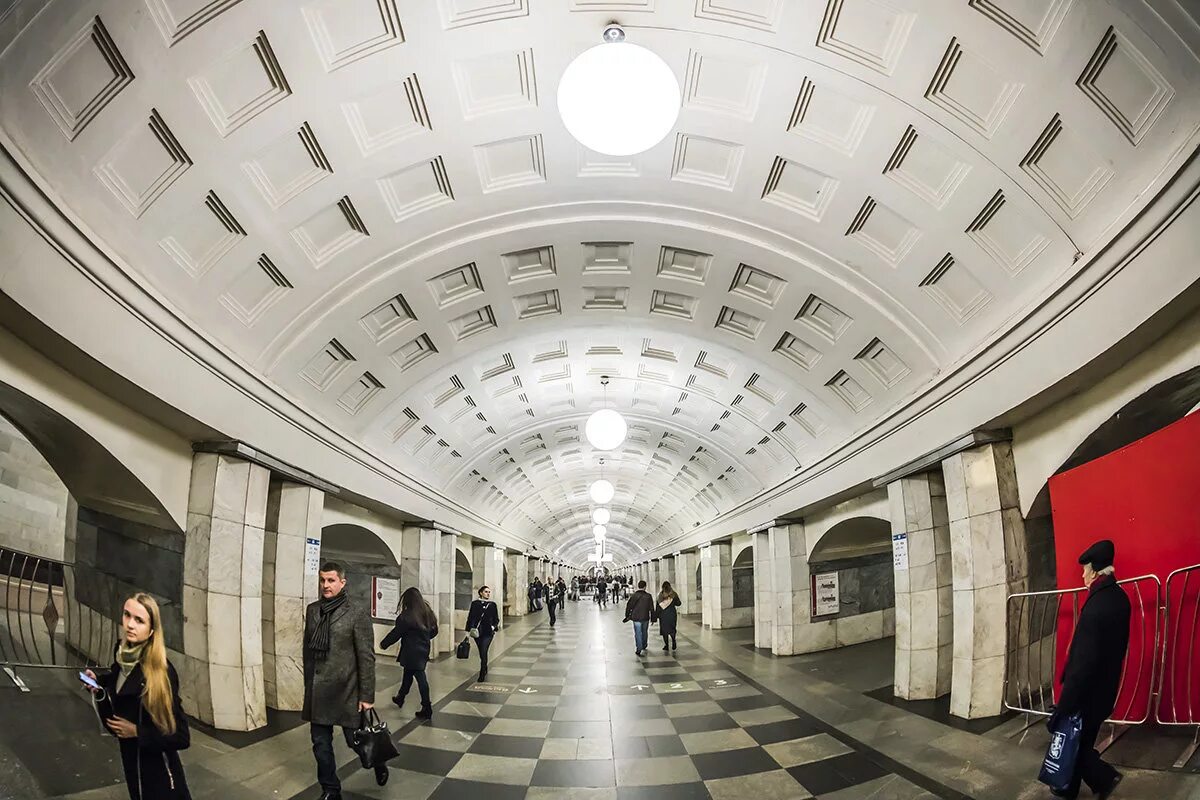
{"x":425,"y":713}
{"x":1112,"y":787}
{"x":674,"y":646}
{"x":399,"y":701}
{"x":331,"y":796}
{"x":381,"y":775}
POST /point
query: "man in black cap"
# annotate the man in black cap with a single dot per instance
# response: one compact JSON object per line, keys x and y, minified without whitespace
{"x":1092,"y":676}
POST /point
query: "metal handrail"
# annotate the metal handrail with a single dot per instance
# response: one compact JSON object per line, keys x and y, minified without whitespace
{"x":38,"y":594}
{"x":1171,"y":648}
{"x":1022,"y":700}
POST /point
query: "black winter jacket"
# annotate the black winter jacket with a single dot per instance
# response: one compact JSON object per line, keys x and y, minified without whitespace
{"x":483,"y":615}
{"x":414,"y":643}
{"x":151,"y":762}
{"x":1092,"y":676}
{"x":639,"y":607}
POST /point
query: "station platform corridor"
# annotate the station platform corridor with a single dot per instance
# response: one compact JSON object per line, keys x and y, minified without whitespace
{"x":570,"y":712}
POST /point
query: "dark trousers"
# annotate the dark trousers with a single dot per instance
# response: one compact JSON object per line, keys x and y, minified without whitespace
{"x":665,"y":642}
{"x":1089,"y":767}
{"x":322,"y":746}
{"x":422,"y":685}
{"x":483,"y":645}
{"x":550,"y":607}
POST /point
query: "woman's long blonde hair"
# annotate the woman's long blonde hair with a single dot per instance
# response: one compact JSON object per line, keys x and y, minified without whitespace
{"x":157,"y":697}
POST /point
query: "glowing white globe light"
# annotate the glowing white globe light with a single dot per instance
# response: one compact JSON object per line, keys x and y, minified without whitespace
{"x":618,"y":99}
{"x":602,"y":491}
{"x":599,"y":531}
{"x":601,"y":516}
{"x":605,"y":429}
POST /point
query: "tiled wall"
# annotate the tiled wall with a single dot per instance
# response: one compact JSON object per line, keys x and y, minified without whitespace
{"x":33,"y":501}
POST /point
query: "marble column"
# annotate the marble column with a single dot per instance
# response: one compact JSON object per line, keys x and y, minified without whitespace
{"x":764,"y":595}
{"x":288,"y":586}
{"x":924,"y":592}
{"x":685,"y":582}
{"x":653,"y":579}
{"x":718,"y":583}
{"x":667,"y":571}
{"x":518,"y":584}
{"x":222,"y":680}
{"x":791,"y":582}
{"x":443,"y":582}
{"x":418,"y":567}
{"x":989,"y":558}
{"x":487,"y":562}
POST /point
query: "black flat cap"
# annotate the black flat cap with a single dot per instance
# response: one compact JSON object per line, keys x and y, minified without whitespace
{"x":1099,"y":555}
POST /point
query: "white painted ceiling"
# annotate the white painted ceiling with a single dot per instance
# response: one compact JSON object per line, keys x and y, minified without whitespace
{"x":374,"y":205}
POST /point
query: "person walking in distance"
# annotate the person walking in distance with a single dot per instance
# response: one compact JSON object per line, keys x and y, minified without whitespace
{"x":339,"y":673}
{"x":552,"y":601}
{"x":668,"y":618}
{"x":148,"y":721}
{"x":638,"y":611}
{"x":562,"y":595}
{"x":416,"y":627}
{"x":1091,"y":679}
{"x":483,"y":620}
{"x":601,"y":592}
{"x":616,"y":591}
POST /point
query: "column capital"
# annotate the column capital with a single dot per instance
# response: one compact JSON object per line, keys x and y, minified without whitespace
{"x":935,"y":457}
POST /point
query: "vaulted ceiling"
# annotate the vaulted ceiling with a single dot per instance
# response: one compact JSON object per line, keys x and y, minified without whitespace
{"x":374,"y":205}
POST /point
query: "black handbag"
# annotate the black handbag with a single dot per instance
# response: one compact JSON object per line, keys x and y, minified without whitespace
{"x":464,"y":648}
{"x":372,"y":741}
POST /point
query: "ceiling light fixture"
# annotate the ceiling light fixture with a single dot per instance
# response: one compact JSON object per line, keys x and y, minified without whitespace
{"x":602,"y":491}
{"x":605,"y":429}
{"x":601,"y":516}
{"x":599,"y":531}
{"x":617,"y":98}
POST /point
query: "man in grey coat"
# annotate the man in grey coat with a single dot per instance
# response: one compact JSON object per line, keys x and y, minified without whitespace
{"x":339,"y":673}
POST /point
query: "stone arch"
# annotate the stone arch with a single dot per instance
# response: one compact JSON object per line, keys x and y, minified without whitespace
{"x":859,"y":551}
{"x":743,"y":580}
{"x":464,"y":581}
{"x":1160,"y":405}
{"x":853,"y":537}
{"x":364,"y":555}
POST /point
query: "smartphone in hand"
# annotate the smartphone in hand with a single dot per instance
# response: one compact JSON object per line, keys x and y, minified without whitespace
{"x":89,"y":681}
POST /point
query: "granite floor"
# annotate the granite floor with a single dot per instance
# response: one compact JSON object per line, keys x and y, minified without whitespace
{"x":571,"y":713}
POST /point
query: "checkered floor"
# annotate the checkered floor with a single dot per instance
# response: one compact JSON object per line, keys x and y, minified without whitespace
{"x":570,"y":712}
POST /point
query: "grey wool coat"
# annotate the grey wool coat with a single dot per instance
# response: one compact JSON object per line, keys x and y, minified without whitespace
{"x":334,"y":685}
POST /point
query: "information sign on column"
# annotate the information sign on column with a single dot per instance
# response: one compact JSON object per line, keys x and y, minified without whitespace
{"x":312,"y":556}
{"x":900,"y":550}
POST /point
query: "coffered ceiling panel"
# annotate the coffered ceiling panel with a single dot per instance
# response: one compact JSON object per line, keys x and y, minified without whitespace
{"x":374,"y":205}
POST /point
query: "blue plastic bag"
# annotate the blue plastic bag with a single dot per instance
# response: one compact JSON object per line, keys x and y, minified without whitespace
{"x":1058,"y":767}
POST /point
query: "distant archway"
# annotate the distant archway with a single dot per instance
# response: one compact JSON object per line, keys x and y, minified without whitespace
{"x":363,"y":555}
{"x":743,"y":579}
{"x":464,"y":577}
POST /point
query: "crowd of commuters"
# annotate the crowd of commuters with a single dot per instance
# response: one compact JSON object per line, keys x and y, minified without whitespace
{"x":137,"y":698}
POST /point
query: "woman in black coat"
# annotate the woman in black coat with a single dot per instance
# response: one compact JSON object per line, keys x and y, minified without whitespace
{"x":139,"y":703}
{"x":668,"y":618}
{"x":483,"y":620}
{"x":416,"y":627}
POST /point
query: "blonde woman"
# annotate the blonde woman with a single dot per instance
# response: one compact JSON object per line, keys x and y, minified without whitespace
{"x":147,"y":718}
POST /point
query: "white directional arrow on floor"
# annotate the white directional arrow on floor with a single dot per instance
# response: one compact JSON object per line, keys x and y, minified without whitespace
{"x":527,"y":690}
{"x":639,"y":687}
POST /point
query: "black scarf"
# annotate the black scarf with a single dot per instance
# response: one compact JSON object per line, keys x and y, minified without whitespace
{"x":318,"y":639}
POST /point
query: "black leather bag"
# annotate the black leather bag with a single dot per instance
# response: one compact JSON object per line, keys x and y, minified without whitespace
{"x":372,"y":740}
{"x":464,"y":648}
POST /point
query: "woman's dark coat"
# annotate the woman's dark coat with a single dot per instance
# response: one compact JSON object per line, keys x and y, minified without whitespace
{"x":483,"y":615}
{"x":668,"y":618}
{"x":414,"y":642}
{"x":151,"y":761}
{"x":1092,"y":676}
{"x":336,"y":684}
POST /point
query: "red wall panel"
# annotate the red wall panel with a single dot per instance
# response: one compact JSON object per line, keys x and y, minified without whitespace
{"x":1146,"y":498}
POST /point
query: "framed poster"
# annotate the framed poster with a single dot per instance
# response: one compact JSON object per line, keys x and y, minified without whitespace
{"x":312,"y":556}
{"x":826,"y":597}
{"x":385,"y":597}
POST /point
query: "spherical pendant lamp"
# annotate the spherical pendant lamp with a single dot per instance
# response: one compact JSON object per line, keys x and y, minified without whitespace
{"x":602,"y":492}
{"x":618,"y":98}
{"x":601,"y":516}
{"x":605,"y":429}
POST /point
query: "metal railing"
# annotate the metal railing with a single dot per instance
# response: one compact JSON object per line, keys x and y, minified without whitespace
{"x":1178,"y":695}
{"x":43,"y":623}
{"x":1036,"y":640}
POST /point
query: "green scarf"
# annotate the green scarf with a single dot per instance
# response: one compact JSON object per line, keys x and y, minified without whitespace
{"x":129,"y":656}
